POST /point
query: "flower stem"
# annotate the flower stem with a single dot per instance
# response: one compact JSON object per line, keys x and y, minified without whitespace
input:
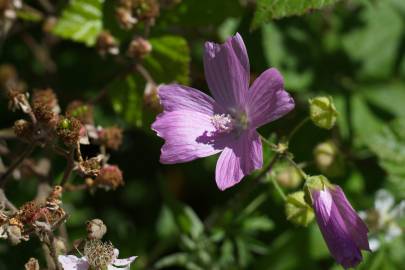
{"x":299,"y":169}
{"x":278,"y":188}
{"x":297,"y":128}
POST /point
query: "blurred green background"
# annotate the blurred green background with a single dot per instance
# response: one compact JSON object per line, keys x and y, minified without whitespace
{"x":352,"y":50}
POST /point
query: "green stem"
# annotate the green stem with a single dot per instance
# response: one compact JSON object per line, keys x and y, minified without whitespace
{"x":300,"y":170}
{"x":278,"y":188}
{"x":297,"y":128}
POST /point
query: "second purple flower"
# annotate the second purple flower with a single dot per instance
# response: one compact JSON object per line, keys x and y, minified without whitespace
{"x":194,"y":125}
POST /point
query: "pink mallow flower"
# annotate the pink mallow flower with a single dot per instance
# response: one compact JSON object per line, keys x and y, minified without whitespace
{"x":343,"y":230}
{"x":194,"y":125}
{"x":71,"y":262}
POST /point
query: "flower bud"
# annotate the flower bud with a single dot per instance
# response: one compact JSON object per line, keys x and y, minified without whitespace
{"x":81,"y":111}
{"x":328,"y":159}
{"x":323,"y":112}
{"x":111,"y":137}
{"x":96,"y":229}
{"x":297,"y":210}
{"x":139,"y":48}
{"x":107,"y":44}
{"x":68,"y":130}
{"x":23,"y":130}
{"x":146,"y":10}
{"x":110,"y":177}
{"x":32,"y":264}
{"x":287,"y":176}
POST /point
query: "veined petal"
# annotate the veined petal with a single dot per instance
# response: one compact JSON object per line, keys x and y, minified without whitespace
{"x":334,"y":230}
{"x":226,"y":69}
{"x":188,"y":135}
{"x":355,"y":225}
{"x":178,"y":97}
{"x":241,"y":158}
{"x":267,"y":100}
{"x":124,"y":262}
{"x":71,"y":262}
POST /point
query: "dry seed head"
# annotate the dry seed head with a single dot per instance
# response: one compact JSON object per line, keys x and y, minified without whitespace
{"x":139,"y":48}
{"x":68,"y":130}
{"x":99,"y":254}
{"x":111,"y":137}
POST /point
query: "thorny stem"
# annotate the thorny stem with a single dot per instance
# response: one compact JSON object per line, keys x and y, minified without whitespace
{"x":17,"y":162}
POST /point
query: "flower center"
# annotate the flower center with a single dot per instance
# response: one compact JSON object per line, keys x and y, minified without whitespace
{"x":99,"y":254}
{"x":223,"y":123}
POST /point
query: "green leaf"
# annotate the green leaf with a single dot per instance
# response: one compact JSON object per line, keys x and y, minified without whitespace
{"x":81,"y":21}
{"x":389,"y":97}
{"x":267,"y":10}
{"x":277,"y":55}
{"x":176,"y":259}
{"x":169,"y":60}
{"x":389,"y":147}
{"x":365,"y":46}
{"x":258,"y":223}
{"x":127,"y":100}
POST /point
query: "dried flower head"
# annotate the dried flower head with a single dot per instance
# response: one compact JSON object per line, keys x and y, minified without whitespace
{"x":18,"y":100}
{"x":110,"y":177}
{"x":45,"y":98}
{"x":146,"y":10}
{"x":107,"y":44}
{"x":27,"y":212}
{"x":90,"y":167}
{"x":111,"y":137}
{"x":139,"y":48}
{"x":32,"y":264}
{"x":99,"y":254}
{"x":23,"y":130}
{"x":68,"y":130}
{"x":96,"y":229}
{"x":125,"y":18}
{"x":81,"y":111}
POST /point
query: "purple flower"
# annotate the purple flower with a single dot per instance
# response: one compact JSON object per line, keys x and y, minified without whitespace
{"x":343,"y":230}
{"x":194,"y":125}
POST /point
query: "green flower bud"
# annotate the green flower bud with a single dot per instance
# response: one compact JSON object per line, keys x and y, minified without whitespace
{"x":287,"y":176}
{"x":297,"y":210}
{"x":323,"y":112}
{"x":328,"y":159}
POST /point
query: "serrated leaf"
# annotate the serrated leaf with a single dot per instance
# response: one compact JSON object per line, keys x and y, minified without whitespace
{"x":169,"y":60}
{"x":389,"y":147}
{"x":364,"y":45}
{"x":81,"y":21}
{"x":266,"y":10}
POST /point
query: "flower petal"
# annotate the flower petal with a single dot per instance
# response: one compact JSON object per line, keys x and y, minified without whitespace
{"x":355,"y":225}
{"x":226,"y":69}
{"x":339,"y":241}
{"x":178,"y":97}
{"x":124,"y":262}
{"x":188,"y":136}
{"x":267,"y":100}
{"x":71,"y":262}
{"x":239,"y":159}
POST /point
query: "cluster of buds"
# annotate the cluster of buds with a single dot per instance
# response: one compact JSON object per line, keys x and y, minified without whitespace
{"x":107,"y":44}
{"x":32,"y":217}
{"x":130,"y":12}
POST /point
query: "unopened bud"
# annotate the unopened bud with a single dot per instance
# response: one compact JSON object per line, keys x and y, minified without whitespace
{"x":32,"y":264}
{"x":107,"y":44}
{"x":96,"y":229}
{"x":139,"y":48}
{"x":297,"y":210}
{"x":287,"y":176}
{"x":68,"y":130}
{"x":23,"y":130}
{"x":146,"y":10}
{"x":328,"y":159}
{"x":110,"y":177}
{"x":323,"y":112}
